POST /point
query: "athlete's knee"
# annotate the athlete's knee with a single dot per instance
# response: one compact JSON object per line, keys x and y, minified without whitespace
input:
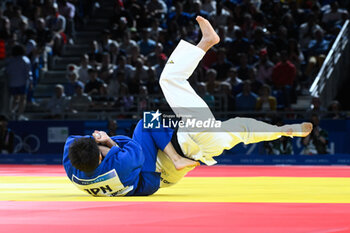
{"x":164,"y":81}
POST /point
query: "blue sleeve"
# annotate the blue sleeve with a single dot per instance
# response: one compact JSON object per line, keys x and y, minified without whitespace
{"x":127,"y":158}
{"x":121,"y":140}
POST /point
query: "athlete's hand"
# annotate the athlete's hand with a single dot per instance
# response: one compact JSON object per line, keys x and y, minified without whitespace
{"x":100,"y":137}
{"x":103,"y":138}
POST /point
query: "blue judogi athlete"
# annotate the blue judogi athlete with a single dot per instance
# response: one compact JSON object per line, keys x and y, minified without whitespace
{"x":128,"y":168}
{"x":152,"y":159}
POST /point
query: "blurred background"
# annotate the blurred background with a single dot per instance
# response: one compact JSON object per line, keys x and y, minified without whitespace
{"x":70,"y":67}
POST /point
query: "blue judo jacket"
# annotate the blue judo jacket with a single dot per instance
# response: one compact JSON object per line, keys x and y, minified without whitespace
{"x":119,"y":174}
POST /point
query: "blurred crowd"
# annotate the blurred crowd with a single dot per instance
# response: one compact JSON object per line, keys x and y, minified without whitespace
{"x":269,"y":52}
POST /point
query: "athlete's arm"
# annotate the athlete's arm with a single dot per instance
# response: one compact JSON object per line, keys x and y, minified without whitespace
{"x":103,"y":138}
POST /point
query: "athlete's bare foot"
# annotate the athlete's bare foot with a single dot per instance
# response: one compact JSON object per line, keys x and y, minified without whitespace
{"x":297,"y":130}
{"x":209,"y":36}
{"x":184,"y":162}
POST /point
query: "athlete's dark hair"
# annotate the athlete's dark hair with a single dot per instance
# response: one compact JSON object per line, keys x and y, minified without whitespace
{"x":84,"y":154}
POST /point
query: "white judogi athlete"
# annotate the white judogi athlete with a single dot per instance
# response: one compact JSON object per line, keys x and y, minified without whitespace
{"x":204,"y":145}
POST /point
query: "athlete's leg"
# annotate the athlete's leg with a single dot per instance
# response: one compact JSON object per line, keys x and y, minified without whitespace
{"x":205,"y":145}
{"x":181,"y":64}
{"x":184,"y":101}
{"x":178,"y":161}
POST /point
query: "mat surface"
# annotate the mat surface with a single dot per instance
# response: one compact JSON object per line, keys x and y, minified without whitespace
{"x":209,"y":199}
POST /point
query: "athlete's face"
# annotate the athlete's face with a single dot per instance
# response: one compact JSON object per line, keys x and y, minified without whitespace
{"x":103,"y":152}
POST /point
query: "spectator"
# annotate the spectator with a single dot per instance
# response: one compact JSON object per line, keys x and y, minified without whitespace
{"x":156,"y":8}
{"x":95,"y":55}
{"x":306,"y":31}
{"x":281,"y":146}
{"x":6,"y":136}
{"x":197,"y":9}
{"x":125,"y":100}
{"x":222,"y":65}
{"x":220,"y":16}
{"x":80,"y":101}
{"x":298,"y":13}
{"x":280,"y":41}
{"x":178,"y":17}
{"x":57,"y":24}
{"x":135,"y":56}
{"x":317,"y":51}
{"x":252,"y":56}
{"x":316,"y":107}
{"x":231,"y":27}
{"x":264,"y":67}
{"x":316,"y":142}
{"x":114,"y":53}
{"x":122,"y":66}
{"x":292,"y":28}
{"x":5,"y":28}
{"x":229,"y":97}
{"x":160,"y":65}
{"x":244,"y":67}
{"x":59,"y":103}
{"x":225,"y":40}
{"x":152,"y":82}
{"x":255,"y":84}
{"x":17,"y":18}
{"x":67,"y":10}
{"x":234,"y":81}
{"x":260,"y":40}
{"x":319,"y":46}
{"x":143,"y":101}
{"x":21,"y":32}
{"x":83,"y":68}
{"x":9,"y":9}
{"x":248,"y":26}
{"x":37,"y":62}
{"x":106,"y":40}
{"x":56,"y":21}
{"x":119,"y":13}
{"x":295,"y":55}
{"x":334,"y":110}
{"x":239,"y":45}
{"x":73,"y":80}
{"x":155,"y":29}
{"x":155,"y":57}
{"x":208,"y":98}
{"x":113,"y":89}
{"x":86,"y":10}
{"x":140,"y":71}
{"x":105,"y":70}
{"x":333,"y":15}
{"x":44,"y":35}
{"x":246,"y":101}
{"x":20,"y":78}
{"x":112,"y":127}
{"x":209,"y":6}
{"x":120,"y":28}
{"x":95,"y":85}
{"x":146,"y":44}
{"x":212,"y":85}
{"x":265,"y":101}
{"x":284,"y":72}
{"x":127,"y":43}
